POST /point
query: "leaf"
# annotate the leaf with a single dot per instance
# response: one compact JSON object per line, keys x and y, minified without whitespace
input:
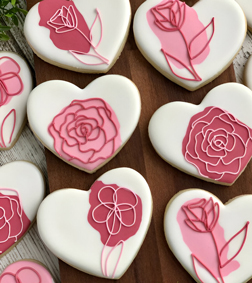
{"x":88,"y":58}
{"x":13,"y":2}
{"x":193,"y":76}
{"x":116,"y":258}
{"x":195,"y":42}
{"x":15,"y":20}
{"x":233,"y":241}
{"x":97,"y":25}
{"x":203,"y":272}
{"x":4,"y":28}
{"x":4,"y":37}
{"x":8,"y":126}
{"x":22,"y":11}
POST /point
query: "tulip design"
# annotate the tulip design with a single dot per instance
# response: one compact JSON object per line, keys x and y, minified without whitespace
{"x":202,"y":216}
{"x":69,"y":30}
{"x":116,"y":213}
{"x":183,"y":37}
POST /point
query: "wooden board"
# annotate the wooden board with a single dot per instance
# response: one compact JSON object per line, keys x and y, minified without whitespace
{"x":154,"y":263}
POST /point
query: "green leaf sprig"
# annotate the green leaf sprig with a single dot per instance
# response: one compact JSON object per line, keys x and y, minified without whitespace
{"x":9,"y":9}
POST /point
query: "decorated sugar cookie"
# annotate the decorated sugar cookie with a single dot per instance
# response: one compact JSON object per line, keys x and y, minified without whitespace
{"x":26,"y":271}
{"x":212,"y":241}
{"x":85,"y":127}
{"x":190,"y":45}
{"x":101,"y":230}
{"x":16,"y":85}
{"x":246,"y":6}
{"x":83,"y":36}
{"x":211,"y":141}
{"x":20,"y":197}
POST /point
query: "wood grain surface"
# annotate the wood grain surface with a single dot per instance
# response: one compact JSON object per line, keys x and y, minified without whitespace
{"x":154,"y":263}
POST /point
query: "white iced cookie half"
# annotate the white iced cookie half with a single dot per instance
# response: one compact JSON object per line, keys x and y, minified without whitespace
{"x":83,"y":36}
{"x":15,"y":87}
{"x":85,"y":127}
{"x":246,"y":6}
{"x":28,"y":271}
{"x":101,"y":230}
{"x":212,"y":140}
{"x":22,"y":189}
{"x":212,"y":241}
{"x":191,"y":46}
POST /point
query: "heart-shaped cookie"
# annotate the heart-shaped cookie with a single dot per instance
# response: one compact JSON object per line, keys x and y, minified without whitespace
{"x":16,"y":85}
{"x":212,"y":241}
{"x":22,"y":189}
{"x":26,"y":271}
{"x":80,"y":35}
{"x":85,"y":127}
{"x":190,"y":45}
{"x":213,"y":140}
{"x":246,"y":6}
{"x":101,"y":230}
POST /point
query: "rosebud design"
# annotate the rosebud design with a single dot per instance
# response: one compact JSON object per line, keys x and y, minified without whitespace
{"x":184,"y":39}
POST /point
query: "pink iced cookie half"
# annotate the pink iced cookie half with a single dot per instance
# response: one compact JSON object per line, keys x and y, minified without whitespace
{"x":26,"y":271}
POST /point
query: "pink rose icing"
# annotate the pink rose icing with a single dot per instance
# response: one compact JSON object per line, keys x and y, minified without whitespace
{"x":86,"y":133}
{"x":116,"y":213}
{"x":25,"y":271}
{"x":184,"y":40}
{"x":13,"y":220}
{"x":198,"y":221}
{"x":217,"y":144}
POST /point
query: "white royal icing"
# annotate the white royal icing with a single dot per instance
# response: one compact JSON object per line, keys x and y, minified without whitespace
{"x":115,"y":19}
{"x":49,"y":98}
{"x":232,"y":218}
{"x":27,"y":180}
{"x":168,"y":125}
{"x":64,"y":228}
{"x":229,"y":32}
{"x":246,"y":6}
{"x":17,"y":103}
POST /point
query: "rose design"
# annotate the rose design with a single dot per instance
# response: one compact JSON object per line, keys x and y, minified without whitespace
{"x":13,"y":221}
{"x":86,"y":133}
{"x":69,"y":30}
{"x":199,"y":223}
{"x":202,"y":215}
{"x":184,"y":39}
{"x":217,"y":144}
{"x":10,"y":82}
{"x":116,"y":213}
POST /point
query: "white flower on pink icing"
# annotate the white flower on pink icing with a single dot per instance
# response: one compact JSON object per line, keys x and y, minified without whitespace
{"x":86,"y":133}
{"x":217,"y":144}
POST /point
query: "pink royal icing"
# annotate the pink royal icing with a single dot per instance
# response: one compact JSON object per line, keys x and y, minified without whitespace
{"x":198,"y":221}
{"x":69,"y":30}
{"x":13,"y":220}
{"x":183,"y":37}
{"x":26,"y":272}
{"x":86,"y":133}
{"x":10,"y":82}
{"x":217,"y":144}
{"x":116,"y":213}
